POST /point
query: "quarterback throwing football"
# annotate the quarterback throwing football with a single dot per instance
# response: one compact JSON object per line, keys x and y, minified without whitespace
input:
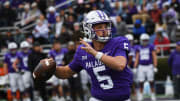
{"x":105,"y":60}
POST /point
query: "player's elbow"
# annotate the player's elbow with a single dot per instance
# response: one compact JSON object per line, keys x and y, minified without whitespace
{"x":121,"y":63}
{"x":121,"y":67}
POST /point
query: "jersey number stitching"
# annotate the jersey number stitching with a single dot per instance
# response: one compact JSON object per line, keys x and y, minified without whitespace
{"x":126,"y":46}
{"x":101,"y":78}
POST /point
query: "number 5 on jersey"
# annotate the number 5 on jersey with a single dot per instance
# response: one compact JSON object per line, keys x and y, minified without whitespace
{"x":126,"y":46}
{"x":101,"y":78}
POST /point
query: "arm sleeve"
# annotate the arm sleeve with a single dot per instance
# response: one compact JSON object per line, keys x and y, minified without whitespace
{"x":131,"y":53}
{"x":153,"y":48}
{"x":5,"y":59}
{"x":123,"y":48}
{"x":75,"y":65}
{"x":50,"y":54}
{"x":121,"y":52}
{"x":170,"y":60}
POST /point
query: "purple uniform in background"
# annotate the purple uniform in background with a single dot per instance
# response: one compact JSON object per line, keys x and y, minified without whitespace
{"x":58,"y":56}
{"x":107,"y":84}
{"x":23,"y":59}
{"x":174,"y":62}
{"x":145,"y":54}
{"x":133,"y":54}
{"x":9,"y":59}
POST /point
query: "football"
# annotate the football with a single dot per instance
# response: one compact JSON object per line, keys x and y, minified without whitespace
{"x":44,"y":70}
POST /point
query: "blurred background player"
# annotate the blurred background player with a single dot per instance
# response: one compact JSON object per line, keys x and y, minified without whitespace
{"x":21,"y":61}
{"x":175,"y":64}
{"x":75,"y":80}
{"x":14,"y":76}
{"x":131,"y":61}
{"x":57,"y":53}
{"x":146,"y":61}
{"x":33,"y":59}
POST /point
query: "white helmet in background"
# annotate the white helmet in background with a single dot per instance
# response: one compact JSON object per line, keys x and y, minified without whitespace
{"x":129,"y":37}
{"x":51,"y":9}
{"x":96,"y":17}
{"x":12,"y":45}
{"x":144,"y":39}
{"x":24,"y":44}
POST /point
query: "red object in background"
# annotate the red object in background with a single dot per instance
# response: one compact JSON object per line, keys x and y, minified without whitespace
{"x":165,"y":41}
{"x":155,"y":15}
{"x":2,"y":71}
{"x":9,"y":95}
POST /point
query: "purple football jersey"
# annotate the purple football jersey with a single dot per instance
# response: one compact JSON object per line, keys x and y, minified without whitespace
{"x":133,"y":54}
{"x":107,"y":84}
{"x":9,"y":59}
{"x":145,"y":54}
{"x":23,"y":59}
{"x":173,"y":62}
{"x":58,"y":56}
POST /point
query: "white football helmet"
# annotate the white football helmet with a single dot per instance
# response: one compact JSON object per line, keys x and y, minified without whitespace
{"x":129,"y":37}
{"x":144,"y":39}
{"x":24,"y":44}
{"x":12,"y":45}
{"x":96,"y":17}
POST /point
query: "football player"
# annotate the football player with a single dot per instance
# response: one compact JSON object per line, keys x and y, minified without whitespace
{"x":14,"y":76}
{"x":57,"y":53}
{"x":105,"y":60}
{"x":131,"y":60}
{"x":22,"y":60}
{"x":146,"y":61}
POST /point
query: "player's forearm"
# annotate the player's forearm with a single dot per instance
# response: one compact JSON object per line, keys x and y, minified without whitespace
{"x":63,"y":72}
{"x":5,"y":67}
{"x":154,"y":58}
{"x":15,"y":65}
{"x":135,"y":64}
{"x":130,"y":60}
{"x":136,"y":60}
{"x":116,"y":63}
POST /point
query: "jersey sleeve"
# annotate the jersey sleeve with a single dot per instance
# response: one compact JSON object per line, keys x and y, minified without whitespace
{"x":65,"y":50}
{"x":170,"y":60}
{"x":6,"y":58}
{"x":123,"y":47}
{"x":50,"y":54}
{"x":75,"y":64}
{"x":19,"y":56}
{"x":152,"y":47}
{"x":131,"y":53}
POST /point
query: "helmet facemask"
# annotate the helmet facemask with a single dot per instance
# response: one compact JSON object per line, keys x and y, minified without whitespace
{"x":25,"y":49}
{"x":13,"y":51}
{"x":145,"y":42}
{"x":93,"y":35}
{"x":144,"y":39}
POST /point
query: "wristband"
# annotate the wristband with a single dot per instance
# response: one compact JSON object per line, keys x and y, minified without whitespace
{"x":99,"y":55}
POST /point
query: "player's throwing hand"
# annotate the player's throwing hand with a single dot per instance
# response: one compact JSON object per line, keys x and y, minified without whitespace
{"x":88,"y":47}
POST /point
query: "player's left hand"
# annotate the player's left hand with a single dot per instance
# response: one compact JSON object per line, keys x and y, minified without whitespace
{"x":88,"y":47}
{"x":134,"y":70}
{"x":155,"y":69}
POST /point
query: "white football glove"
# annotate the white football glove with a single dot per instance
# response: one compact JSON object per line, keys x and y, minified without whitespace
{"x":134,"y":70}
{"x":155,"y":69}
